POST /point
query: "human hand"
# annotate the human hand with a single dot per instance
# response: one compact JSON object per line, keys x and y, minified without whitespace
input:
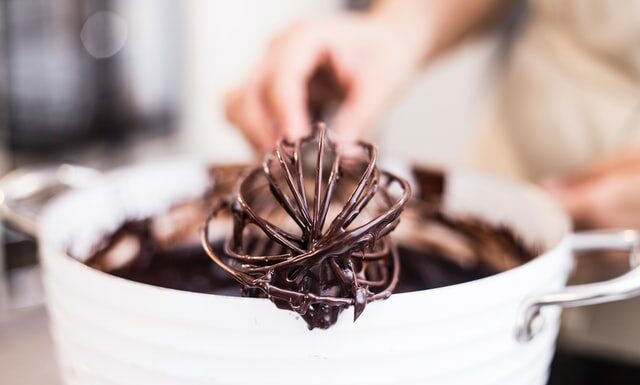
{"x":605,"y":195}
{"x":370,"y":58}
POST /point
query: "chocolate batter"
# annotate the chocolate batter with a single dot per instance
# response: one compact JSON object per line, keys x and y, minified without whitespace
{"x":310,"y":231}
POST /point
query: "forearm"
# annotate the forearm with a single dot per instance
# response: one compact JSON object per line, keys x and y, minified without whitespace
{"x":432,"y":26}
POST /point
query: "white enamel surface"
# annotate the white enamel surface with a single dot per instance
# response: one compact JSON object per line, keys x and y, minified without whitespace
{"x":114,"y":331}
{"x":79,"y":220}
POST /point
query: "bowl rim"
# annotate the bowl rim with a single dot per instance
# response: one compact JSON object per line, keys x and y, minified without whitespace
{"x":531,"y":189}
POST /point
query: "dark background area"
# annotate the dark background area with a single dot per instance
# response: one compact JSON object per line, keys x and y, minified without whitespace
{"x":577,"y":369}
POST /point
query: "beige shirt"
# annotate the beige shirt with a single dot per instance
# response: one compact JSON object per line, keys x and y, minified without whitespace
{"x":571,"y":90}
{"x":571,"y":95}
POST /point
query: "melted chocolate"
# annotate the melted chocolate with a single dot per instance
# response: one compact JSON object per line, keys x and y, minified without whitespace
{"x":191,"y":269}
{"x":188,"y":269}
{"x":436,"y":250}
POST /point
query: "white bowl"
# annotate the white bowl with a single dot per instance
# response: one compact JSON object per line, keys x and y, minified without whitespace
{"x":110,"y":330}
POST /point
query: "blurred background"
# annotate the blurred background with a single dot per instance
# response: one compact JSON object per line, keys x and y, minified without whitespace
{"x":105,"y":83}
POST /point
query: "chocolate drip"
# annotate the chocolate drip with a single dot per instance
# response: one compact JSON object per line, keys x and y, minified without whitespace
{"x":313,"y":237}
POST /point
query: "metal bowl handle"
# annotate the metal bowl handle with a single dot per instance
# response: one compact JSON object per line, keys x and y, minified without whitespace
{"x":24,"y":184}
{"x":620,"y":288}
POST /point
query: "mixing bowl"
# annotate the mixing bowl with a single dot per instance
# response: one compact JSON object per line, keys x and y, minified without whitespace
{"x":108,"y":330}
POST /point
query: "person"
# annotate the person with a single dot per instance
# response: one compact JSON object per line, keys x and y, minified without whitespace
{"x":566,"y":113}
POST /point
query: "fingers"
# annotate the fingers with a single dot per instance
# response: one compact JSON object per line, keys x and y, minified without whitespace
{"x":576,"y":199}
{"x":610,"y":200}
{"x":368,"y":89}
{"x":600,"y":194}
{"x":369,"y":62}
{"x":285,"y":87}
{"x":272,"y":102}
{"x":366,"y":96}
{"x":246,"y":110}
{"x":358,"y":108}
{"x":621,"y":161}
{"x":350,"y":123}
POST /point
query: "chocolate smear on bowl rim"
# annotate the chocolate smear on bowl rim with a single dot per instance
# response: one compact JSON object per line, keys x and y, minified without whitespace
{"x":310,"y":229}
{"x":468,"y":243}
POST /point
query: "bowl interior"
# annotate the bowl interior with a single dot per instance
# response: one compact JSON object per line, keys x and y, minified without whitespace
{"x":77,"y":221}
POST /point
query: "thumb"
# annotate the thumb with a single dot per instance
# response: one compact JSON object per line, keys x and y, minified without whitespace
{"x":286,"y":85}
{"x":353,"y":117}
{"x":579,"y":199}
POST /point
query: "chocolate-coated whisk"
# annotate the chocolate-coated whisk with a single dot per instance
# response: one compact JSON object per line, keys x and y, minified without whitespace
{"x":311,"y":234}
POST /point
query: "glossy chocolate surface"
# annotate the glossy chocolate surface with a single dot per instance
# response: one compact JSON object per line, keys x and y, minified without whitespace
{"x":433,"y":250}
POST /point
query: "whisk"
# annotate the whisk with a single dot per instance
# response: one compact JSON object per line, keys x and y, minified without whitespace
{"x":310,"y":229}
